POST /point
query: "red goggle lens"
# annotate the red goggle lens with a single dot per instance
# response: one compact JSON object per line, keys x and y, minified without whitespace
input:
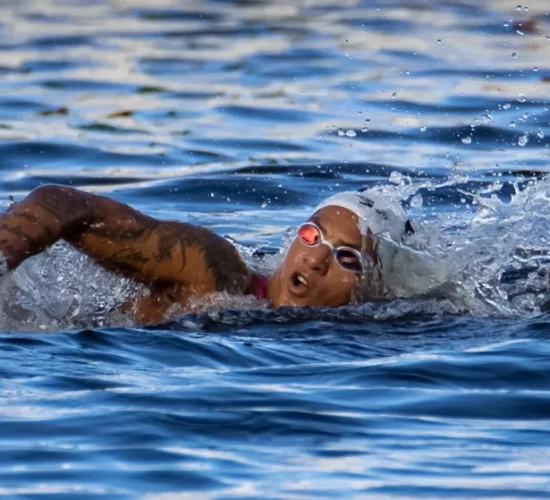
{"x":346,"y":257}
{"x":309,"y":234}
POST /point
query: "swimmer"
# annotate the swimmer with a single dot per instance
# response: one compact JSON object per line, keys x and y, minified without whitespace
{"x":177,"y":261}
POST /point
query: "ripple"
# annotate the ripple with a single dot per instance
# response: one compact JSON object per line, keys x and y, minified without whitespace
{"x":107,"y":128}
{"x":243,"y":116}
{"x":176,"y":15}
{"x":54,"y":65}
{"x":271,"y":114}
{"x":173,"y":65}
{"x":86,"y":85}
{"x":251,"y":145}
{"x":523,"y":74}
{"x":16,"y":154}
{"x":381,"y":24}
{"x":60,"y":41}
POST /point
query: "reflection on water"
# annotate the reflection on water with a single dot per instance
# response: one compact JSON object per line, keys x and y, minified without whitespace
{"x":242,"y":116}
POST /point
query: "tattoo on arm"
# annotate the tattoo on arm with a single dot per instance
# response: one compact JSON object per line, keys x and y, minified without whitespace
{"x":129,"y":255}
{"x":125,"y":261}
{"x":29,"y":218}
{"x":51,"y":208}
{"x":167,"y":240}
{"x":220,"y":257}
{"x":120,"y":238}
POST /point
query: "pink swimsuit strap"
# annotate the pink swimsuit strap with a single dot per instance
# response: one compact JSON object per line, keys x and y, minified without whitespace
{"x":262,"y":285}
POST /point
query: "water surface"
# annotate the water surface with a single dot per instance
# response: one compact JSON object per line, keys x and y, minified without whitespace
{"x":242,"y":116}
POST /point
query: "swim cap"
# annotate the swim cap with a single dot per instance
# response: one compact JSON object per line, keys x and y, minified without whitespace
{"x":374,"y":212}
{"x":402,"y":270}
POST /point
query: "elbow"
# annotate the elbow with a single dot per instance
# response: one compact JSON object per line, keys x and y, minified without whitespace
{"x":68,"y":205}
{"x":51,"y":192}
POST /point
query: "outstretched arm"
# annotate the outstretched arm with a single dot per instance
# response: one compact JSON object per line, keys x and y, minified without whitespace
{"x":121,"y":239}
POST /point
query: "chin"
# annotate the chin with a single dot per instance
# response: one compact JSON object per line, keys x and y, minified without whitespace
{"x":307,"y":302}
{"x":286,"y":301}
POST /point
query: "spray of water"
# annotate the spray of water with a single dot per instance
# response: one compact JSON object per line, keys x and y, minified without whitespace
{"x":488,"y":256}
{"x":62,"y":289}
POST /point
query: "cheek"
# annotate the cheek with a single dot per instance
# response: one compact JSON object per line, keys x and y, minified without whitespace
{"x":293,"y":254}
{"x":348,"y":283}
{"x":338,"y":285}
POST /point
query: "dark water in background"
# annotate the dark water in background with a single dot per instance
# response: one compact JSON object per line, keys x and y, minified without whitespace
{"x":242,"y":116}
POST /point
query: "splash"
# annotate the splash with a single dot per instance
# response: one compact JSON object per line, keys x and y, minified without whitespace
{"x":488,"y":257}
{"x":487,"y":254}
{"x":483,"y":254}
{"x":61,"y":289}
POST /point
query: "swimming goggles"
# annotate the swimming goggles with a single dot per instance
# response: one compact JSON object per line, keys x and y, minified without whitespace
{"x":347,"y":258}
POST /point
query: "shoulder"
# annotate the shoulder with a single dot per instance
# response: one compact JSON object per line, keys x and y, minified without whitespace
{"x":203,"y":250}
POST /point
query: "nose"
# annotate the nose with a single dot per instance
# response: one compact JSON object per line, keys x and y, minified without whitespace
{"x":318,"y":258}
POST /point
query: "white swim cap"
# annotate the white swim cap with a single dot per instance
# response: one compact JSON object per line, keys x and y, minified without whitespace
{"x":374,"y":212}
{"x":402,"y":270}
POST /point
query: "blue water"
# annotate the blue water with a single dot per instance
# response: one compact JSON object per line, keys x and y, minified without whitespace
{"x":242,"y":116}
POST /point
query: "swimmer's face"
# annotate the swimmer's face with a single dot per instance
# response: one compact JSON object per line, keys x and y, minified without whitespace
{"x":310,"y":275}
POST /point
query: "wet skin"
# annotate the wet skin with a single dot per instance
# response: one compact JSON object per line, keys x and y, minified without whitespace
{"x":174,"y":260}
{"x":310,"y":275}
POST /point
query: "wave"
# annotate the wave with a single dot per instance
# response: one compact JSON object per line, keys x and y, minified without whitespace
{"x":489,"y":259}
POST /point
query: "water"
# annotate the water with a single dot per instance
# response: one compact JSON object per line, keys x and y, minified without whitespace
{"x":242,"y":116}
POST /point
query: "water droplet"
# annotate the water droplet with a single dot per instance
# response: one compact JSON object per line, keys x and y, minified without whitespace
{"x":484,"y":118}
{"x":535,"y":69}
{"x":422,"y":129}
{"x":396,"y":178}
{"x":539,"y":133}
{"x":506,"y":106}
{"x":394,"y":94}
{"x":520,"y":32}
{"x":518,"y":8}
{"x":416,"y":201}
{"x":211,"y":195}
{"x":512,"y":124}
{"x":439,"y":40}
{"x":351,"y":133}
{"x":466,"y":140}
{"x":341,"y":133}
{"x":523,"y":140}
{"x":514,"y":55}
{"x":365,"y":129}
{"x":264,"y":204}
{"x":521,"y":98}
{"x":523,"y":117}
{"x":367,"y":121}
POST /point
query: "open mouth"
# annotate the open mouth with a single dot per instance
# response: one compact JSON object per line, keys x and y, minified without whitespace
{"x":298,"y":284}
